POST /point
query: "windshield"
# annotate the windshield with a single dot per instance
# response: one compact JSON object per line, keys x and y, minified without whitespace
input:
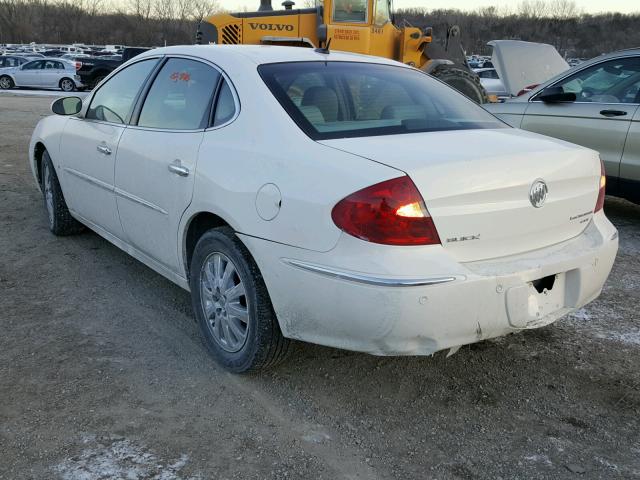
{"x":347,"y":99}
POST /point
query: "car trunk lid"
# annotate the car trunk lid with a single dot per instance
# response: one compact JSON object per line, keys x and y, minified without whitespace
{"x":477,"y":186}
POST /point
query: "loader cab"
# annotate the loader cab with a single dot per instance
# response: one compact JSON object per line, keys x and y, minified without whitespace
{"x":361,"y":26}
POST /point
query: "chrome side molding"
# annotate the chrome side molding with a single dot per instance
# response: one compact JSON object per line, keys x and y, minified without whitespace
{"x":367,"y":279}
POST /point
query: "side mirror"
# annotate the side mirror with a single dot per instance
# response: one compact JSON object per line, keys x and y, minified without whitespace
{"x":556,"y":95}
{"x":67,"y":106}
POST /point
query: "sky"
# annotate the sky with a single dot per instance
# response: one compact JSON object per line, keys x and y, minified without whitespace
{"x":589,"y":6}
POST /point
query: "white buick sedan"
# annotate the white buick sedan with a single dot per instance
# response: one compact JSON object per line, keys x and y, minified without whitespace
{"x":333,"y":198}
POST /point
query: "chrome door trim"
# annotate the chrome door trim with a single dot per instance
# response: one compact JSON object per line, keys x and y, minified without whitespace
{"x":366,"y":278}
{"x":140,"y":201}
{"x":87,"y":178}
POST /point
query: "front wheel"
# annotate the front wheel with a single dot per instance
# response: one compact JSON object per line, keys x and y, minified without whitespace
{"x":6,"y":82}
{"x":232,"y":305}
{"x":463,"y":80}
{"x":67,"y":85}
{"x":61,"y":222}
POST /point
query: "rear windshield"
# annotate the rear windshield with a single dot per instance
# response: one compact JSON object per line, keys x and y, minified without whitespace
{"x":347,"y":99}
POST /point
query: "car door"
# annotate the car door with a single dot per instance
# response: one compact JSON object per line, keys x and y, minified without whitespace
{"x":89,"y":146}
{"x":157,"y":157}
{"x":51,"y":73}
{"x":29,"y":74}
{"x":601,"y":115}
{"x":629,"y":183}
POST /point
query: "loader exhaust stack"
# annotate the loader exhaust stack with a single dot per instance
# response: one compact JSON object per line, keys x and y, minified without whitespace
{"x":265,"y":6}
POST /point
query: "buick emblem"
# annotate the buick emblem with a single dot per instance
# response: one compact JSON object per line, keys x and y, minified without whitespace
{"x":538,"y":193}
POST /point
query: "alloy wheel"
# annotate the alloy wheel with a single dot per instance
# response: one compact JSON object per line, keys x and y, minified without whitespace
{"x":224,"y":302}
{"x":67,"y":85}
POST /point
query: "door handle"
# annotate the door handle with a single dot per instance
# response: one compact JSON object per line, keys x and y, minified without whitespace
{"x":104,"y":149}
{"x":177,"y":168}
{"x":613,"y":113}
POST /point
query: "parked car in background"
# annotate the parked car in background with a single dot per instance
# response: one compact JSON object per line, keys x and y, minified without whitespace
{"x":93,"y":70}
{"x":240,"y":173}
{"x":10,"y":61}
{"x":75,"y":56}
{"x":595,"y":104}
{"x":491,"y":81}
{"x":49,"y":73}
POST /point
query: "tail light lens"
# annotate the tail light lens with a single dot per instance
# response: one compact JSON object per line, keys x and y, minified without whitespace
{"x":392,"y":213}
{"x":601,"y":192}
{"x":78,"y":65}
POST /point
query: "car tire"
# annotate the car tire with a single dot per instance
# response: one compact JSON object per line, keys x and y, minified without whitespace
{"x":6,"y":82}
{"x":61,"y":223}
{"x":67,"y":85}
{"x":239,"y":346}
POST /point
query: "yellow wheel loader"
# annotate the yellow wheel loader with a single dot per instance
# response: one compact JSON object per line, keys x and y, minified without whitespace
{"x":359,"y":26}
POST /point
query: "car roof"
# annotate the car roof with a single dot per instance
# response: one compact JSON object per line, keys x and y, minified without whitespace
{"x":262,"y":54}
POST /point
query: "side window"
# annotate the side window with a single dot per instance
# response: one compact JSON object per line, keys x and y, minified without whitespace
{"x":631,"y":93}
{"x":607,"y":82}
{"x":383,"y":14}
{"x":33,"y":65}
{"x":225,"y":105}
{"x":114,"y":101}
{"x":180,"y":96}
{"x":350,"y":11}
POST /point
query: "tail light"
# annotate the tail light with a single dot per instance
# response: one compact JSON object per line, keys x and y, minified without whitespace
{"x":392,"y":213}
{"x":78,"y":65}
{"x":601,"y":192}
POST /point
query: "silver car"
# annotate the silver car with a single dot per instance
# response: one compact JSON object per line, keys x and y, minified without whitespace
{"x":595,"y":104}
{"x":48,"y":73}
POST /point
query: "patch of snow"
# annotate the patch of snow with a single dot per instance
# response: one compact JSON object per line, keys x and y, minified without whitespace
{"x":118,"y":458}
{"x":598,"y":325}
{"x":581,"y":314}
{"x":538,"y":458}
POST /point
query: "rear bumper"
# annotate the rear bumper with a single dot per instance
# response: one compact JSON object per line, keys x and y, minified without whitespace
{"x":418,"y":300}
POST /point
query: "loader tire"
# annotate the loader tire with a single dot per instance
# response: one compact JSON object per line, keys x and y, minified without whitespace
{"x":466,"y":82}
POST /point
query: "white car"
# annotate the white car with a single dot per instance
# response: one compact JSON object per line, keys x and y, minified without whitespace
{"x":339,"y":199}
{"x":47,"y":73}
{"x":491,"y":82}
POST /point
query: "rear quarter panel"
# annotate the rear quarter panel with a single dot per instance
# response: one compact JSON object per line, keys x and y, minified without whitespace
{"x":262,"y":146}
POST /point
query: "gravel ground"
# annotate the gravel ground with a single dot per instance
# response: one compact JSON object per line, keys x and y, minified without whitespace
{"x":103,"y":376}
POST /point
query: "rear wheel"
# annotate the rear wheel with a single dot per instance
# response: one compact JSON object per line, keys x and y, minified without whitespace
{"x":232,"y":305}
{"x":61,"y":222}
{"x":6,"y":82}
{"x":466,"y":82}
{"x":67,"y":85}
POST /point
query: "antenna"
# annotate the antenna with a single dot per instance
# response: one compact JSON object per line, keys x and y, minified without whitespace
{"x":324,"y":50}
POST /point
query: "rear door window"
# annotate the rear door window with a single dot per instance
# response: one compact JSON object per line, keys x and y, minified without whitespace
{"x":180,"y":97}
